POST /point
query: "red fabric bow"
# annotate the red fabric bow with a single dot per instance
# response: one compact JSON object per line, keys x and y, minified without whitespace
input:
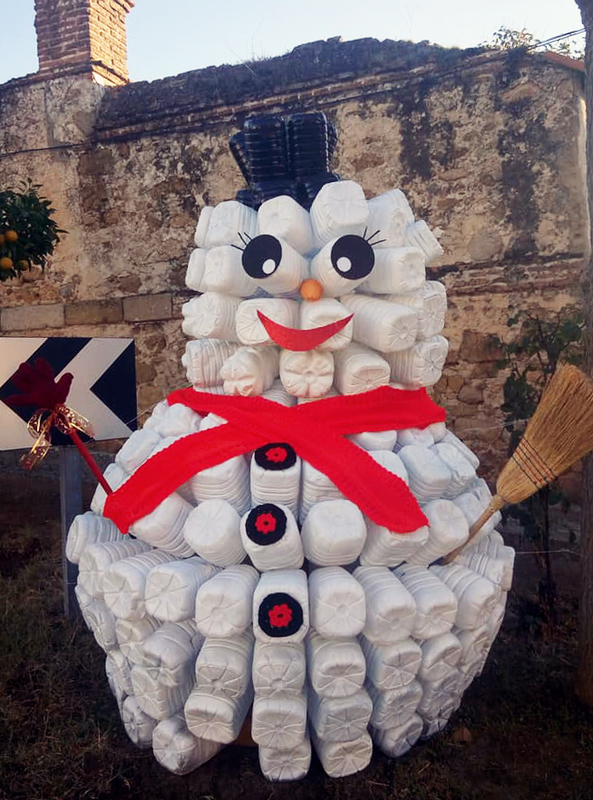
{"x":315,"y":430}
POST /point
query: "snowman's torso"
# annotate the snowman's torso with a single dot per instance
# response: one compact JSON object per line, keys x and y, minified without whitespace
{"x":261,"y":583}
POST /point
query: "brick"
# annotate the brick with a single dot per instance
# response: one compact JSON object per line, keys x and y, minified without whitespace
{"x":88,"y":30}
{"x":148,"y":307}
{"x":94,"y":312}
{"x":32,"y":318}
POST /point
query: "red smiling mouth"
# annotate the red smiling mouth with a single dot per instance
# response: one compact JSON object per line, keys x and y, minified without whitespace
{"x":298,"y":340}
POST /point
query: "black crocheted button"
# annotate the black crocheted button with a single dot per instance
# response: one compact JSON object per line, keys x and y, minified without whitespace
{"x":276,"y":456}
{"x":265,"y":524}
{"x":280,"y":615}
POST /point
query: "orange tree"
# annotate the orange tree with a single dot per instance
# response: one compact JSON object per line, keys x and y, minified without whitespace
{"x":28,"y":234}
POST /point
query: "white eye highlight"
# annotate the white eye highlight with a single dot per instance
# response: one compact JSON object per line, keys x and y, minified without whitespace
{"x":381,"y":325}
{"x":344,"y":264}
{"x":340,"y":208}
{"x":268,"y":266}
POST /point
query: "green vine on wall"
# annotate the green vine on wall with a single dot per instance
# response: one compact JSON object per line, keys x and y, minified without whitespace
{"x":28,"y":234}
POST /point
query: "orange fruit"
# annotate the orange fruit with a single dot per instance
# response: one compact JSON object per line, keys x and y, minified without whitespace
{"x":1,"y":239}
{"x":24,"y":264}
{"x":6,"y":263}
{"x":11,"y":236}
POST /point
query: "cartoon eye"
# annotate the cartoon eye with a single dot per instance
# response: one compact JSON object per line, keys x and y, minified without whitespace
{"x":262,"y":256}
{"x":352,"y":257}
{"x":266,"y":258}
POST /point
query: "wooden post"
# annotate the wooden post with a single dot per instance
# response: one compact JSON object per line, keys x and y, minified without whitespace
{"x":71,"y":505}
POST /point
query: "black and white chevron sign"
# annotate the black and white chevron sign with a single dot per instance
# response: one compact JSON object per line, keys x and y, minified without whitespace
{"x":103,"y":389}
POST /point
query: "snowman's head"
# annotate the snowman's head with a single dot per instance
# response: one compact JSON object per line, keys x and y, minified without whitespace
{"x":335,"y":296}
{"x":302,"y":277}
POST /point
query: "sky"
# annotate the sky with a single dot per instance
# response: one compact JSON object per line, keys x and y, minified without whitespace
{"x":166,"y":37}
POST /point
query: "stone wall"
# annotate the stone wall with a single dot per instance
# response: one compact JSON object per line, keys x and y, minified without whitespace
{"x":487,"y":146}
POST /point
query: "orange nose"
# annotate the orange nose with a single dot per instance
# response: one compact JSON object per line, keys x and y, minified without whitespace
{"x":311,"y":289}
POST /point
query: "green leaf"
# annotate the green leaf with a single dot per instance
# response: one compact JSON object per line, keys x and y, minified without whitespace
{"x":30,"y":215}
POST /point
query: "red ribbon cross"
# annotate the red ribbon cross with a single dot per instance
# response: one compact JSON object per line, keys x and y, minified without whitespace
{"x":315,"y":430}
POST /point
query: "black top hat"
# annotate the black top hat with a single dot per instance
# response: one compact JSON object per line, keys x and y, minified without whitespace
{"x":289,"y":156}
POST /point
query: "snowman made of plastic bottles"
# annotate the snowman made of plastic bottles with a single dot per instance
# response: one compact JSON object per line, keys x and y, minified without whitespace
{"x":258,"y":585}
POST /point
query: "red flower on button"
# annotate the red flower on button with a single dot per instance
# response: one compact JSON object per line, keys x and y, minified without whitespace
{"x":280,"y":616}
{"x":277,"y":454}
{"x":266,"y":523}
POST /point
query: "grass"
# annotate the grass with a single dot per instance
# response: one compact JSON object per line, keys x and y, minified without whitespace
{"x":520,"y":732}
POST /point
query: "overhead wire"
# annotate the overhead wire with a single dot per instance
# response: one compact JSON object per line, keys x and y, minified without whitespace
{"x":553,"y":39}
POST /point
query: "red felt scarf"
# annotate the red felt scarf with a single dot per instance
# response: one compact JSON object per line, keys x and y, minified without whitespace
{"x":315,"y":430}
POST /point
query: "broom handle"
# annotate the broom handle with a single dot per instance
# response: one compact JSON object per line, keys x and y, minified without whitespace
{"x":495,"y":505}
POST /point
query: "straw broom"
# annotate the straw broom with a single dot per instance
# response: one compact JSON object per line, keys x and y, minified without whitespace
{"x":559,"y":433}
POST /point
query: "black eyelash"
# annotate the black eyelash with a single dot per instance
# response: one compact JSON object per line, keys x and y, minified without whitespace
{"x":372,"y":244}
{"x":245,"y":243}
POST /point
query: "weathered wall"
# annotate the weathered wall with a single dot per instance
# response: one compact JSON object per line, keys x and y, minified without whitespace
{"x":487,"y":146}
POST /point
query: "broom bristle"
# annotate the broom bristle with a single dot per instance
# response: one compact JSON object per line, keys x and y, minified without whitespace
{"x":559,"y":433}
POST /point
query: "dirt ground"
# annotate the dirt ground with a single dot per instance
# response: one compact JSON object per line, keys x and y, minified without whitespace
{"x":520,"y":732}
